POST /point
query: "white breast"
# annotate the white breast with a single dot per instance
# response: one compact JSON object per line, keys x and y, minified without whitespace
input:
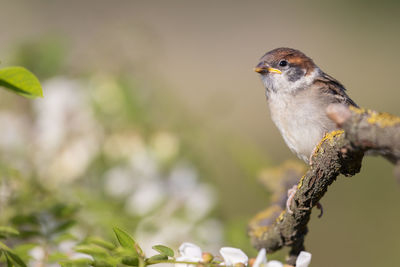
{"x":301,"y":119}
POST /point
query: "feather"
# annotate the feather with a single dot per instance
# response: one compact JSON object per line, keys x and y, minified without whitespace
{"x":329,"y":85}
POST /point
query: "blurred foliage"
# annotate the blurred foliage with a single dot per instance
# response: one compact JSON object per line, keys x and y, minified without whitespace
{"x":92,"y":155}
{"x":44,"y":57}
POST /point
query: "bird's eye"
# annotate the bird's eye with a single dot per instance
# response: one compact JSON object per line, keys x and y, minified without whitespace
{"x":283,"y":63}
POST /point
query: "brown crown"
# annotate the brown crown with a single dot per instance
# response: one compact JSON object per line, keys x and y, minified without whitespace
{"x":293,"y":56}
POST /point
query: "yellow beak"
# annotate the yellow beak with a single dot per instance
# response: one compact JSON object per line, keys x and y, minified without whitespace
{"x":274,"y":70}
{"x":262,"y":69}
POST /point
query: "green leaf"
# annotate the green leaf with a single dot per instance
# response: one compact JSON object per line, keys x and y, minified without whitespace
{"x":10,"y":254}
{"x":65,"y":237}
{"x":23,"y":250}
{"x":100,"y":242}
{"x":4,"y":247}
{"x":61,"y":210}
{"x":44,"y":56}
{"x":57,"y":256}
{"x":30,"y":219}
{"x":126,"y":241}
{"x":25,"y":234}
{"x":124,"y":238}
{"x":9,"y":263}
{"x":159,"y":257}
{"x":92,"y":250}
{"x":7,"y":231}
{"x":164,"y":250}
{"x":16,"y":259}
{"x":77,"y":263}
{"x":102,"y":264}
{"x":63,"y":226}
{"x":130,"y":261}
{"x":20,"y":81}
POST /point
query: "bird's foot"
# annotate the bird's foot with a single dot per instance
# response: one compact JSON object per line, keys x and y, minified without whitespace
{"x":321,"y":209}
{"x":291,"y":192}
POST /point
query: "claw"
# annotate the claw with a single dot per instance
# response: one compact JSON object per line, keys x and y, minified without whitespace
{"x":319,"y":206}
{"x":291,"y":192}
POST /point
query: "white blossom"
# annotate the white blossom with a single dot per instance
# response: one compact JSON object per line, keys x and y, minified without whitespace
{"x":144,"y":164}
{"x":274,"y":264}
{"x":118,"y":182}
{"x":37,"y":253}
{"x":261,"y":259}
{"x":146,"y":198}
{"x":304,"y":259}
{"x":66,"y":134}
{"x":189,"y":252}
{"x":182,"y":181}
{"x":233,"y":256}
{"x":202,"y":199}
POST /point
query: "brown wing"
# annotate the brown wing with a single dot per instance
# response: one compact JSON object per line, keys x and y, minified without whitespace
{"x":329,"y":85}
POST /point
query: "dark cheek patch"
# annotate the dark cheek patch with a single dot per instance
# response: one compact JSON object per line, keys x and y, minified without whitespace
{"x":294,"y":74}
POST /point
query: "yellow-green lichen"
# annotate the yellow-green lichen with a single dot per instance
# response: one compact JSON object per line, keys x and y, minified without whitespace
{"x":267,"y":213}
{"x":280,"y":217}
{"x":257,"y":223}
{"x":383,"y":119}
{"x":329,"y":136}
{"x":300,"y":184}
{"x":358,"y":110}
{"x":258,"y":232}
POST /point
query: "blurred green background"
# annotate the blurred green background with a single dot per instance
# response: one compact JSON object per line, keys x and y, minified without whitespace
{"x":156,"y":102}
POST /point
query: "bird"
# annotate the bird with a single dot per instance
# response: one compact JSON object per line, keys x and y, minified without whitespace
{"x":298,"y":93}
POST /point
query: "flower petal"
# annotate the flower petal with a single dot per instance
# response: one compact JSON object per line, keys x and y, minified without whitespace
{"x":233,"y":255}
{"x":304,"y":259}
{"x":261,"y":258}
{"x":275,"y":264}
{"x":190,"y":252}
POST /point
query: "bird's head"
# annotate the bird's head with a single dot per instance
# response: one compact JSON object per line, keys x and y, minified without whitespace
{"x":286,"y":70}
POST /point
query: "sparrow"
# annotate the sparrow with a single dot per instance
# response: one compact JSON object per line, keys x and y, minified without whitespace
{"x":298,"y":93}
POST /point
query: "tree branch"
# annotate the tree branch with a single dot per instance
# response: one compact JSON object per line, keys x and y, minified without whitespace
{"x":339,"y":152}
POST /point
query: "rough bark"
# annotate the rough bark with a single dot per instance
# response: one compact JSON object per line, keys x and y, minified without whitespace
{"x":339,"y":152}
